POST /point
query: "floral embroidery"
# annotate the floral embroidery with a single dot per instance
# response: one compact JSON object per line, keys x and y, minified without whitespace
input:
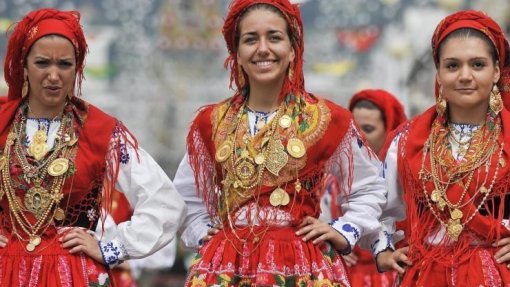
{"x":91,"y":214}
{"x":349,"y":228}
{"x":124,"y":155}
{"x":113,"y":253}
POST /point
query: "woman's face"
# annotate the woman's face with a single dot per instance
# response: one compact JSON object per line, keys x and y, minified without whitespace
{"x":264,"y":49}
{"x":51,"y":72}
{"x":466,"y":73}
{"x":371,"y":123}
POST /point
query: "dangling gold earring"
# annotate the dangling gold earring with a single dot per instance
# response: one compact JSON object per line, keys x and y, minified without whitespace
{"x":495,"y":101}
{"x":440,"y":102}
{"x":291,"y":71}
{"x":240,"y":77}
{"x":24,"y":89}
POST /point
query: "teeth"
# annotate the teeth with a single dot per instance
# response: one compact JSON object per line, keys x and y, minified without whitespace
{"x":264,"y":63}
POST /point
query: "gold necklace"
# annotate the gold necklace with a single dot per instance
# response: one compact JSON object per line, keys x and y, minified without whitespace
{"x":43,"y":204}
{"x":455,"y":226}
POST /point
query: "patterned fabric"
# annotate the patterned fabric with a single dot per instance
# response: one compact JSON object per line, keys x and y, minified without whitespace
{"x":83,"y":194}
{"x":282,"y":259}
{"x":113,"y":253}
{"x":320,"y":125}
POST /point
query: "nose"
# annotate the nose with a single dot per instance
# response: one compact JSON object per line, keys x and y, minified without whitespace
{"x":53,"y":74}
{"x":263,"y":48}
{"x":465,"y":74}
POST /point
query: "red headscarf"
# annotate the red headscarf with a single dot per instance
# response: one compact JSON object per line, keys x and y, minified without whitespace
{"x":32,"y":27}
{"x":293,"y":18}
{"x":481,"y":22}
{"x":391,"y":108}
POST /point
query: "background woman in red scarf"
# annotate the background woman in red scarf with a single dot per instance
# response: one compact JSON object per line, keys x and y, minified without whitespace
{"x":258,"y":158}
{"x":453,"y":163}
{"x":376,"y":112}
{"x":61,"y":158}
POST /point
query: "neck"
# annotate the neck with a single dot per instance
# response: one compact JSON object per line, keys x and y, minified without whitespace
{"x":263,"y":98}
{"x":39,"y":112}
{"x":473,"y":116}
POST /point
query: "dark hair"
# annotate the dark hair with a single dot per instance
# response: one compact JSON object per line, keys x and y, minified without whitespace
{"x":366,"y":104}
{"x":260,"y":6}
{"x":469,"y":33}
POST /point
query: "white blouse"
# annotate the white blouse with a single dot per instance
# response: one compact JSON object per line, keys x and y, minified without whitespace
{"x":158,"y":208}
{"x":361,"y":211}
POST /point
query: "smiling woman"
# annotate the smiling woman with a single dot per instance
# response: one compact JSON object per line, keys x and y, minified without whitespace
{"x":256,"y":161}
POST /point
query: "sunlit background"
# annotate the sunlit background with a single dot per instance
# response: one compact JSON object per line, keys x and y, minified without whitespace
{"x":153,"y":63}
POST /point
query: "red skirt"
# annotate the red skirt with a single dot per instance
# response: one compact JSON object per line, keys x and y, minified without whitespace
{"x":476,"y":267}
{"x":365,"y":274}
{"x":48,"y":265}
{"x":280,"y":258}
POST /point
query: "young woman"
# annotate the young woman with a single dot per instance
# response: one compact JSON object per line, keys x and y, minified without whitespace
{"x":60,"y":160}
{"x":258,"y":158}
{"x":450,"y":164}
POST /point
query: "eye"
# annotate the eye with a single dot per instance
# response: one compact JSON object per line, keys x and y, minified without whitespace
{"x":479,"y":65}
{"x":41,"y":63}
{"x":275,"y":38}
{"x":249,"y":40}
{"x":451,"y":66}
{"x":367,"y":128}
{"x":65,"y":64}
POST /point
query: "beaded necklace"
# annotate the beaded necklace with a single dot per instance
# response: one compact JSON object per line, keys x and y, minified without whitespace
{"x":39,"y":200}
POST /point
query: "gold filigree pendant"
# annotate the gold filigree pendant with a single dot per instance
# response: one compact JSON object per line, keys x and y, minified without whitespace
{"x":277,"y":157}
{"x":37,"y":200}
{"x":38,"y":148}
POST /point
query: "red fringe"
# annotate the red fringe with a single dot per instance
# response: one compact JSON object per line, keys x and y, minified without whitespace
{"x":122,"y":136}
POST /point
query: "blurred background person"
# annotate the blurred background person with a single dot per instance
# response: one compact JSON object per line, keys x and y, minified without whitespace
{"x":376,"y":112}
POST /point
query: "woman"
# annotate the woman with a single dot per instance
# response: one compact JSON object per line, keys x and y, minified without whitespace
{"x":376,"y":112}
{"x":61,"y":158}
{"x":257,"y":160}
{"x":452,"y":163}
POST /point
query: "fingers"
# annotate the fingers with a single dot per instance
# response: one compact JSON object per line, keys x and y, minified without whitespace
{"x":308,"y":220}
{"x":350,"y":259}
{"x":502,"y":252}
{"x":3,"y":241}
{"x":501,"y":242}
{"x":397,"y":268}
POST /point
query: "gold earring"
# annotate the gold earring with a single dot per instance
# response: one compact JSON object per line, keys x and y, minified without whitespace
{"x":495,"y":101}
{"x":440,"y":103}
{"x":24,"y":89}
{"x":240,"y":77}
{"x":291,"y":71}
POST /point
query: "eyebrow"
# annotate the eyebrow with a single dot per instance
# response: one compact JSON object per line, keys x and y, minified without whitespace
{"x":273,"y":31}
{"x":47,"y":58}
{"x":475,"y":58}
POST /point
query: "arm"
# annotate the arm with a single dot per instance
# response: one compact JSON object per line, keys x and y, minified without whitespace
{"x":197,"y":221}
{"x":367,"y":197}
{"x":158,"y":209}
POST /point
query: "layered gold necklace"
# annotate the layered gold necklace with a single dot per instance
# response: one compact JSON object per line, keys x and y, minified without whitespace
{"x":45,"y":179}
{"x":245,"y":165}
{"x":445,"y":172}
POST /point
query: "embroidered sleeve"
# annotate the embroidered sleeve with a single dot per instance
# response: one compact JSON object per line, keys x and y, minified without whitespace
{"x":113,"y":252}
{"x":383,"y":243}
{"x":349,"y":231}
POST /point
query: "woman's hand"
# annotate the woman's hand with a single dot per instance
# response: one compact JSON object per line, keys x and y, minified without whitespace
{"x":213,"y":230}
{"x":3,"y":241}
{"x":389,"y":259}
{"x":350,"y":259}
{"x":312,"y":228}
{"x":503,"y":253}
{"x":78,"y":240}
